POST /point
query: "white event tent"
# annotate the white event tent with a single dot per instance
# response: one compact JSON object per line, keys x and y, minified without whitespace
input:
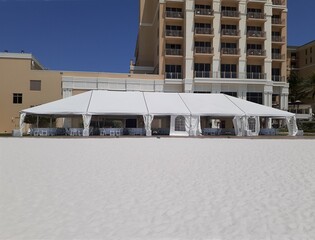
{"x":188,"y":106}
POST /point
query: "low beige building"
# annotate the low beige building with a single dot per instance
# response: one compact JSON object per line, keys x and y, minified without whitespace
{"x":302,"y":59}
{"x":24,"y":83}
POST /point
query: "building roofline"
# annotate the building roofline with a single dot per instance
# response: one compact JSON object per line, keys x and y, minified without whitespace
{"x":21,"y":56}
{"x":299,"y":46}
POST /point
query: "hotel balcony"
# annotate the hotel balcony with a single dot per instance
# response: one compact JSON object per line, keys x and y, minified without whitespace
{"x":173,"y":52}
{"x":203,"y":50}
{"x":256,"y":16}
{"x":230,"y":33}
{"x":173,"y":75}
{"x":228,"y":74}
{"x":173,"y":33}
{"x":256,"y":53}
{"x":278,"y":57}
{"x":255,"y":75}
{"x":203,"y":12}
{"x":256,"y":34}
{"x":173,"y":14}
{"x":278,"y":78}
{"x":278,"y":22}
{"x":230,"y":52}
{"x":278,"y":39}
{"x":203,"y":74}
{"x":230,"y":14}
{"x":204,"y":31}
{"x":278,"y":2}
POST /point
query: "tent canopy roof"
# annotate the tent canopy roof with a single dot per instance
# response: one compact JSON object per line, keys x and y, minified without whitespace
{"x":103,"y":102}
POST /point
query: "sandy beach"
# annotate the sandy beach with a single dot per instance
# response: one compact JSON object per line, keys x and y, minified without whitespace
{"x":161,"y":189}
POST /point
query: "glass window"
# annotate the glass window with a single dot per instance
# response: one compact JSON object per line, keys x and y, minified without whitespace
{"x":255,"y":97}
{"x":17,"y":98}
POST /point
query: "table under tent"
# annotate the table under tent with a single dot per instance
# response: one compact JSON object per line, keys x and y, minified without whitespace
{"x":144,"y":113}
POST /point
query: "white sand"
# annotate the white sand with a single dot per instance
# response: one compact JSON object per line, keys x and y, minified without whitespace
{"x":148,"y":188}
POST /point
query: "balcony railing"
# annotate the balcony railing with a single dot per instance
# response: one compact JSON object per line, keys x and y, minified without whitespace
{"x":257,"y":34}
{"x":203,"y":74}
{"x":278,"y":21}
{"x":229,"y":75}
{"x":204,"y":50}
{"x":229,"y":13}
{"x":173,"y":52}
{"x":230,"y":32}
{"x":173,"y":75}
{"x":199,"y":30}
{"x":278,"y":56}
{"x":278,"y":2}
{"x":256,"y":15}
{"x":278,"y":39}
{"x":173,"y":14}
{"x":256,"y":52}
{"x":174,"y":33}
{"x":278,"y":78}
{"x":230,"y":51}
{"x":204,"y":12}
{"x":255,"y":75}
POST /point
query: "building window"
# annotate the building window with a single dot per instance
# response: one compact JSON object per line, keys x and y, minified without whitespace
{"x":17,"y":98}
{"x":35,"y":85}
{"x":255,"y":97}
{"x":305,"y":51}
{"x":202,"y":70}
{"x":180,"y":124}
{"x":228,"y":71}
{"x":173,"y":71}
{"x":311,"y":50}
{"x":232,"y":94}
{"x":254,"y":72}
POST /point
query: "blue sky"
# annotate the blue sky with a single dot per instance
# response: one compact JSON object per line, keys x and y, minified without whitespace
{"x":98,"y":35}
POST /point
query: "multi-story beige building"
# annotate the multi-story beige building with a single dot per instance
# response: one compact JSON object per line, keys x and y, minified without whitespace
{"x":301,"y":60}
{"x":236,"y":47}
{"x":24,"y":83}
